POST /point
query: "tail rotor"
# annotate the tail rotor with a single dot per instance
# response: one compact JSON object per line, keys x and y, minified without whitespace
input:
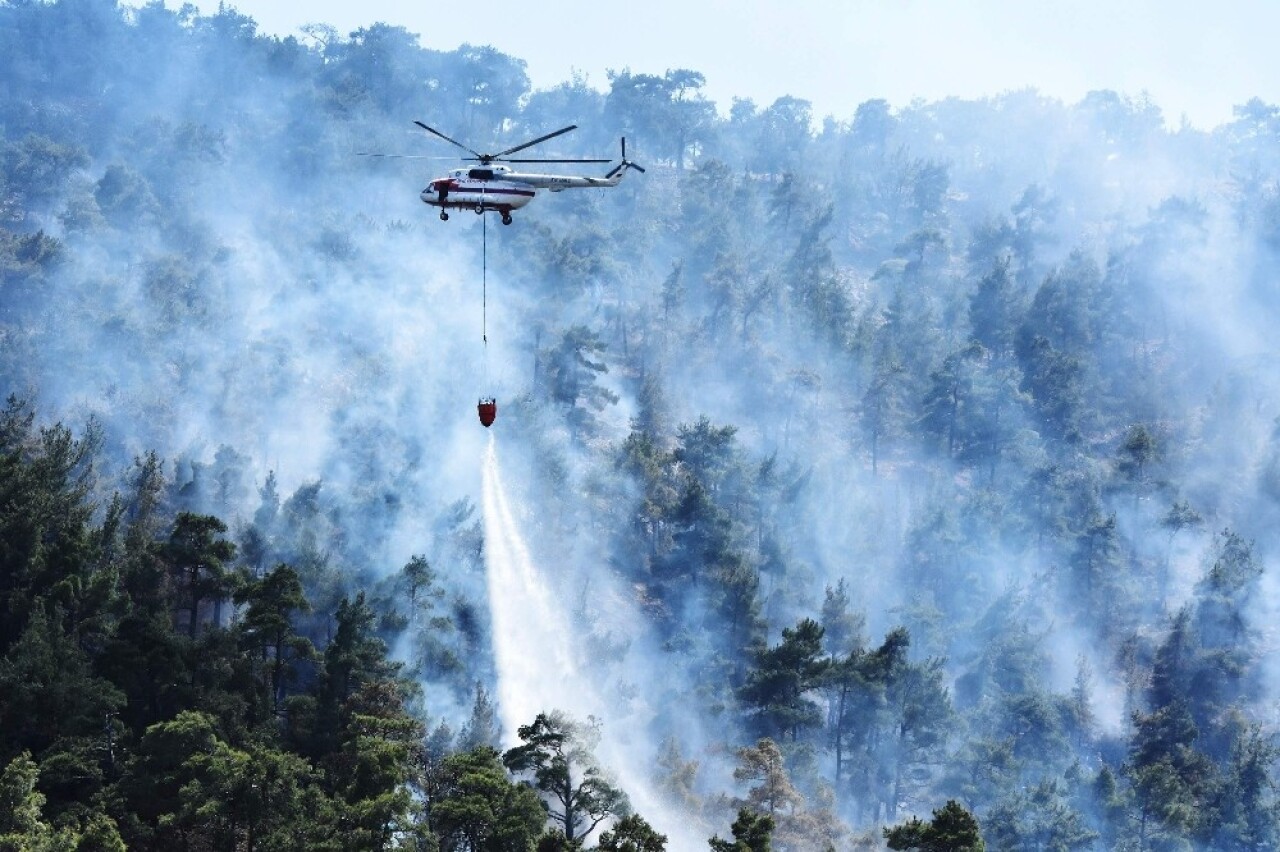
{"x":625,"y":164}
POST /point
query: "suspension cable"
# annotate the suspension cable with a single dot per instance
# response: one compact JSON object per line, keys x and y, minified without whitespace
{"x":484,"y":280}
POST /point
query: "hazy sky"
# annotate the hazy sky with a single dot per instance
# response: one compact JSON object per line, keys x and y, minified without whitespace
{"x":1195,"y":58}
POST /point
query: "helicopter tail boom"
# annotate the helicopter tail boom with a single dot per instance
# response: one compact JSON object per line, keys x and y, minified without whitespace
{"x":556,"y":183}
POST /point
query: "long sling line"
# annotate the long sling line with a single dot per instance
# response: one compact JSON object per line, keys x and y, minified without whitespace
{"x":484,"y":294}
{"x":484,"y":280}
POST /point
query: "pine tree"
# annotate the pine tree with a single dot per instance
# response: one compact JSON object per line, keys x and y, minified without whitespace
{"x":752,"y":832}
{"x":557,"y":752}
{"x":777,"y":685}
{"x":952,"y":829}
{"x":197,"y":558}
{"x":267,"y":627}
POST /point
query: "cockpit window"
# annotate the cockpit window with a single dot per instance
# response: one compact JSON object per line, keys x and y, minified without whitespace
{"x":480,"y":174}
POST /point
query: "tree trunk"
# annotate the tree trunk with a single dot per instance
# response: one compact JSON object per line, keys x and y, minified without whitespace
{"x":566,"y":798}
{"x":195,"y":602}
{"x":844,"y":691}
{"x":875,"y":441}
{"x":951,"y":420}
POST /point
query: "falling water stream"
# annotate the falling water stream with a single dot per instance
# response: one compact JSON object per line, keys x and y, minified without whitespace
{"x":537,"y":669}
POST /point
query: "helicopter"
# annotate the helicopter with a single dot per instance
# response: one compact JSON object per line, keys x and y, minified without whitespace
{"x":494,"y":185}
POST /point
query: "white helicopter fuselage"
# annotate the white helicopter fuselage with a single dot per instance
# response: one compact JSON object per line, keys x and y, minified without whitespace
{"x":498,"y":187}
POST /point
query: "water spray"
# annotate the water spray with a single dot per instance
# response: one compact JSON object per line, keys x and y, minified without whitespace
{"x":537,"y":669}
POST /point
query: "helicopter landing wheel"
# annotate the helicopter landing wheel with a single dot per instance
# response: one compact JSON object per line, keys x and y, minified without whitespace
{"x":444,"y":217}
{"x":506,"y":218}
{"x":479,"y":211}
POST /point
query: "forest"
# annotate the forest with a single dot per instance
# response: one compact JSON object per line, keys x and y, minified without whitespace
{"x":907,"y":478}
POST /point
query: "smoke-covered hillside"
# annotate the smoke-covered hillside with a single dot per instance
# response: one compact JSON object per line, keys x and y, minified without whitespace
{"x":931,"y":457}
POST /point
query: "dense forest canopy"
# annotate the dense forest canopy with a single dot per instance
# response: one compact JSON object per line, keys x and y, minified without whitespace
{"x":907,"y":477}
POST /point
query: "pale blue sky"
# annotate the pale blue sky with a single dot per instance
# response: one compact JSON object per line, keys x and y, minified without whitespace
{"x":1195,"y":58}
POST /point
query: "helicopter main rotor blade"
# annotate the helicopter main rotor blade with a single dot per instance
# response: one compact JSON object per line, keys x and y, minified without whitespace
{"x":551,"y":135}
{"x":403,"y":156}
{"x":446,"y":138}
{"x":519,"y":160}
